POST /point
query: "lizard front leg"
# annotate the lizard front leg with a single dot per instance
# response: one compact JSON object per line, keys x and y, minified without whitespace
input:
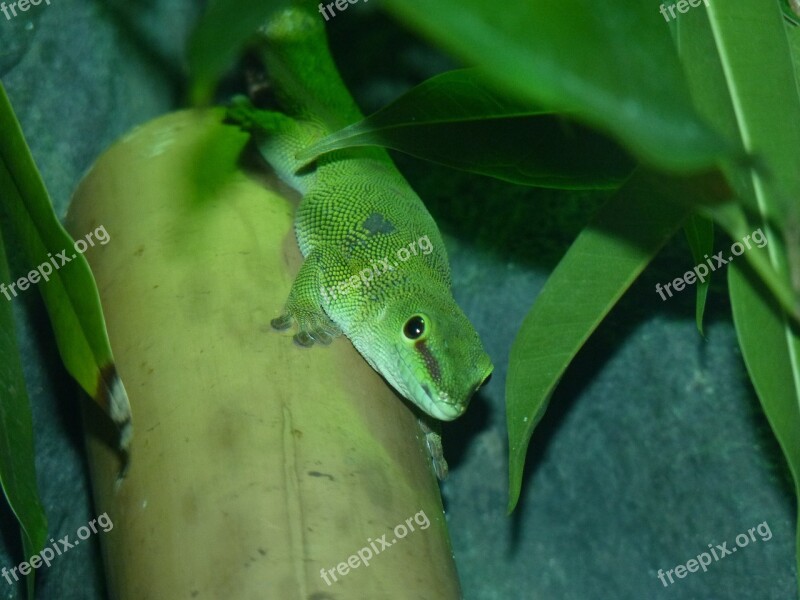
{"x":304,"y":306}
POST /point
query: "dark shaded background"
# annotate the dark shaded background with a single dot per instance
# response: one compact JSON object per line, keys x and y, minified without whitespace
{"x":654,"y":445}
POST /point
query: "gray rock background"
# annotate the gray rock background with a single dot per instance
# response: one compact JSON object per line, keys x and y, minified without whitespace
{"x":654,"y":445}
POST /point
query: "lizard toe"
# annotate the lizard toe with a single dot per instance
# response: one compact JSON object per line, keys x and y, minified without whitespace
{"x":313,"y":326}
{"x":281,"y":323}
{"x":321,"y":336}
{"x":319,"y":330}
{"x":304,"y":339}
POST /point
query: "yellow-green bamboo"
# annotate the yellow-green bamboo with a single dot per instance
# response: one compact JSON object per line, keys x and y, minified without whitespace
{"x":255,"y":464}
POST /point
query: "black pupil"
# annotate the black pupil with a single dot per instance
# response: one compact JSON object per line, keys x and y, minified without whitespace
{"x":414,"y":328}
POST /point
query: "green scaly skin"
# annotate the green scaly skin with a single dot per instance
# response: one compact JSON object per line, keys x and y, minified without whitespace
{"x":357,"y":212}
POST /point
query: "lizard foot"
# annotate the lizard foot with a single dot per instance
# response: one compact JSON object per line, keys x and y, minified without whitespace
{"x":433,"y":440}
{"x":312,"y":328}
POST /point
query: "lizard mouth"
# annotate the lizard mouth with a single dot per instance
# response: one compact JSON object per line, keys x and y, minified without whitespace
{"x":437,"y":405}
{"x":441,"y":407}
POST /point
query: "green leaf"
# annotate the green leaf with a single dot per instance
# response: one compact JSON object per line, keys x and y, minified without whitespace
{"x":727,"y":105}
{"x":734,"y":220}
{"x":791,"y":11}
{"x":457,"y":119}
{"x":769,"y":125}
{"x":219,"y":38}
{"x":69,"y":292}
{"x":599,"y":266}
{"x":609,"y":64}
{"x":729,"y":79}
{"x":700,"y":235}
{"x":793,"y":35}
{"x":771,"y":352}
{"x":17,"y":467}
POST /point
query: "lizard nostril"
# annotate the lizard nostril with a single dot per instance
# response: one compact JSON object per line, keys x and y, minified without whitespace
{"x":480,"y":384}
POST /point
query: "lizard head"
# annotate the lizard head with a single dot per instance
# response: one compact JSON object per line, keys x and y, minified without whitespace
{"x":429,"y":352}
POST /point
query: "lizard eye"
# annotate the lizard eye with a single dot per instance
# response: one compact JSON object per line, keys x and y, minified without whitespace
{"x":414,"y":328}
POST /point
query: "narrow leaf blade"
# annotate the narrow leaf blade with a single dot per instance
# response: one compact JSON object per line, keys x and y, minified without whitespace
{"x":715,"y":95}
{"x":459,"y":120}
{"x":768,"y":126}
{"x":17,"y":465}
{"x":700,"y":235}
{"x":600,"y":265}
{"x":69,"y":291}
{"x":771,"y":352}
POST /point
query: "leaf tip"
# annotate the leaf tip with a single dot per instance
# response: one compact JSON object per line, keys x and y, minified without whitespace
{"x":112,"y":395}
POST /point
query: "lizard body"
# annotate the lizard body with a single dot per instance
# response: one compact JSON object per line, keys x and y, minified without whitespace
{"x":361,"y":228}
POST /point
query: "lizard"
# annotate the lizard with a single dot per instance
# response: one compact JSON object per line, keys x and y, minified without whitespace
{"x":356,"y":214}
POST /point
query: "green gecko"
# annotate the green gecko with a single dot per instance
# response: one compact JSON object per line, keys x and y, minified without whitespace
{"x":357,"y":220}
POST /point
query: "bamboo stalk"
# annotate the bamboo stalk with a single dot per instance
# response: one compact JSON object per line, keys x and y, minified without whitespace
{"x":255,"y":464}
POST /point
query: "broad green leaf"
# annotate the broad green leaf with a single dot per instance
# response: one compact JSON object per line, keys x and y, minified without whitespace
{"x":700,"y":235}
{"x":17,"y":467}
{"x":457,"y":119}
{"x":609,"y":64}
{"x":69,"y":290}
{"x":599,"y":266}
{"x":220,"y":37}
